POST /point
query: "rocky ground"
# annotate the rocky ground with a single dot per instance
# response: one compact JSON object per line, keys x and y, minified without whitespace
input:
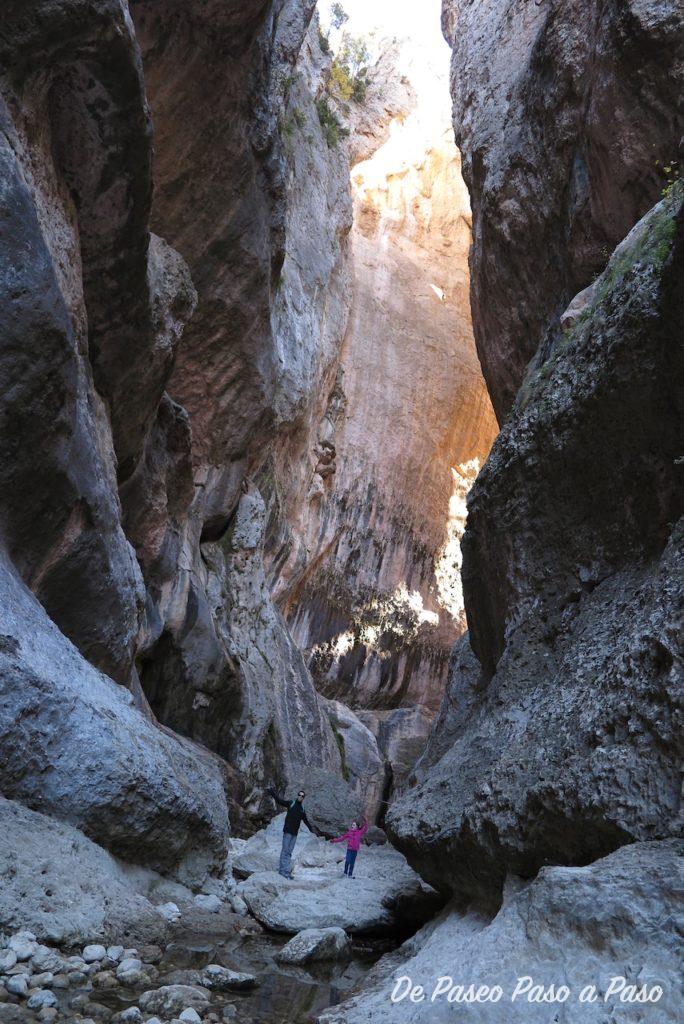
{"x":202,"y":957}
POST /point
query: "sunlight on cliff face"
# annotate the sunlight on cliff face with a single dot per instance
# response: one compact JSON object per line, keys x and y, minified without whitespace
{"x":399,"y":616}
{"x":449,"y":560}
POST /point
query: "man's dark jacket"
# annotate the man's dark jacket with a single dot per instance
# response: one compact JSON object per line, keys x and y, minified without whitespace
{"x":295,"y":814}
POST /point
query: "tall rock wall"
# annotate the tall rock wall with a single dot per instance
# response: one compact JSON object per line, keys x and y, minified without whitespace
{"x":566,"y":112}
{"x":365,"y":568}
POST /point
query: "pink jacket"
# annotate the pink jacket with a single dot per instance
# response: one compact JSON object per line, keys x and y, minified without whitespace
{"x":354,"y":835}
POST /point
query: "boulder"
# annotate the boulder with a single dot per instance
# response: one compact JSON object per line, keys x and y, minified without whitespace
{"x":385,"y":895}
{"x":87,"y":756}
{"x":170,"y":1000}
{"x":64,"y":886}
{"x":594,"y":925}
{"x":313,"y":944}
{"x":364,"y":767}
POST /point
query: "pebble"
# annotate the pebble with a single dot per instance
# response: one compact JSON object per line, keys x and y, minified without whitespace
{"x":60,"y":981}
{"x":92,"y":953}
{"x":190,"y":1016}
{"x":44,"y":980}
{"x":48,"y":1014}
{"x":17,"y":985}
{"x":40,"y":998}
{"x":23,"y":944}
{"x":24,"y":968}
{"x":46,"y":959}
{"x":77,"y":978}
{"x":8,"y":958}
{"x":132,"y":1015}
{"x":131,"y":963}
{"x":211,"y":903}
{"x":170,"y":912}
{"x":115,"y":953}
{"x":133,"y":979}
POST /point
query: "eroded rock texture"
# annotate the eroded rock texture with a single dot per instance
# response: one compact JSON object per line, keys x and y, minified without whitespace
{"x":560,"y":745}
{"x":570,"y":926}
{"x":566,"y":114}
{"x":366,"y":567}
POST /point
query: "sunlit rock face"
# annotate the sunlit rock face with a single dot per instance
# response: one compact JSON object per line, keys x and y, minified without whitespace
{"x":567,"y":118}
{"x":368,"y":579}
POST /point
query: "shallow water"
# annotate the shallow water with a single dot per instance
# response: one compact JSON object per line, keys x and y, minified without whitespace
{"x":285,"y":993}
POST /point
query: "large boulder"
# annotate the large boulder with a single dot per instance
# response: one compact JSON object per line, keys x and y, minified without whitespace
{"x":74,"y":746}
{"x":385,"y":895}
{"x":64,"y":888}
{"x":572,"y":572}
{"x":568,"y":119}
{"x":604,"y":925}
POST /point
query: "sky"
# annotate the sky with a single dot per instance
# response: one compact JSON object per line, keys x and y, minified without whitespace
{"x":397,"y":18}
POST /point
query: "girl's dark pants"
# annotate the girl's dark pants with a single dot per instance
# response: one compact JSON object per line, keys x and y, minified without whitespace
{"x":349,"y":862}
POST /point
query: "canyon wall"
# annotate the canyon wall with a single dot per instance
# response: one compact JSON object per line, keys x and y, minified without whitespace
{"x":550,"y":777}
{"x":366,"y":566}
{"x":568,"y":118}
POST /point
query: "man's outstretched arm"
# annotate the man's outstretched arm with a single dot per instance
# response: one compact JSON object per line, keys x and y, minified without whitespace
{"x":278,"y":799}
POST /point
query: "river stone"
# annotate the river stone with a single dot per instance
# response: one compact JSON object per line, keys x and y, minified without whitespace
{"x":208,"y":902}
{"x":130,"y":964}
{"x":173,"y":999}
{"x":223,"y":979}
{"x":8,"y":958}
{"x":17,"y":985}
{"x":190,"y":1016}
{"x":41,"y":998}
{"x":46,"y":959}
{"x":315,"y":944}
{"x":93,"y":953}
{"x":115,"y":953}
{"x":169,"y":911}
{"x":23,"y":944}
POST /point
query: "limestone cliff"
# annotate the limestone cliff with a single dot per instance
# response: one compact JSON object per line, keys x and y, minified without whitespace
{"x":568,"y":117}
{"x":366,"y":567}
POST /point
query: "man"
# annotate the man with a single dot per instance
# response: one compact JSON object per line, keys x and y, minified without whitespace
{"x":293,"y":819}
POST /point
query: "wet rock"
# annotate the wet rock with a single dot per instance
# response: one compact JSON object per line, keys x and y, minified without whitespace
{"x":173,"y":999}
{"x":315,"y":944}
{"x":223,"y":979}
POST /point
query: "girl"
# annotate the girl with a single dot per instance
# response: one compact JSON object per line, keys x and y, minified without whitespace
{"x":354,"y":836}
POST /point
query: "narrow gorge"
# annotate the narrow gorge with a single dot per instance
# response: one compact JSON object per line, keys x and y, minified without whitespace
{"x":340,"y":452}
